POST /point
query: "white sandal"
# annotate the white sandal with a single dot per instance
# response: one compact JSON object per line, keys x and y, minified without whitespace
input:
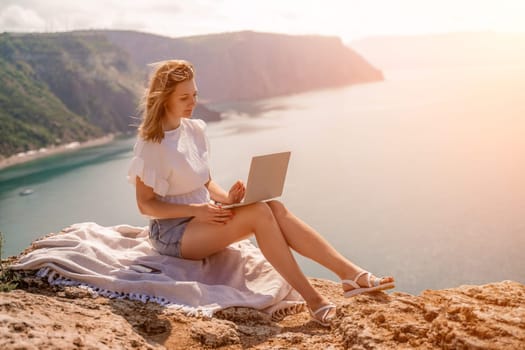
{"x":374,"y":284}
{"x":324,"y":320}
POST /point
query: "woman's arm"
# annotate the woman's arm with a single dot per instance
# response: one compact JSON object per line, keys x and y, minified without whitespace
{"x":149,"y":205}
{"x":216,"y":192}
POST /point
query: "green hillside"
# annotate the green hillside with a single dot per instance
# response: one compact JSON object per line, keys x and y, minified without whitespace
{"x":31,"y":116}
{"x":58,"y":88}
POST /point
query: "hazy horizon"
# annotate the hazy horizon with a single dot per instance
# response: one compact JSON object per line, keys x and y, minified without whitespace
{"x":371,"y":37}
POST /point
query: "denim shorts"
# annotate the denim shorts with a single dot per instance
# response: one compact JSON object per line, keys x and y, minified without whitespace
{"x":165,"y":235}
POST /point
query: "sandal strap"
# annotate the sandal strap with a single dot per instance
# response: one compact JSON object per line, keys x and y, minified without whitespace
{"x":361,"y":274}
{"x":354,"y":282}
{"x":377,"y":281}
{"x":373,"y":281}
{"x":326,"y":310}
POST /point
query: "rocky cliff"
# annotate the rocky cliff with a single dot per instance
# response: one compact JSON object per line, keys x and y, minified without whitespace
{"x":252,"y":65}
{"x":491,"y":316}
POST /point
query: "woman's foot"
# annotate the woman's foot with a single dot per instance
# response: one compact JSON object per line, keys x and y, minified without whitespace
{"x":322,"y":312}
{"x":364,"y":282}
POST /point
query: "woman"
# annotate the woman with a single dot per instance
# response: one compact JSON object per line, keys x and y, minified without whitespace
{"x":174,"y":188}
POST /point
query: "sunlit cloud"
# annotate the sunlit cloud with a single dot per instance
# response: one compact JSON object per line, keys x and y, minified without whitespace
{"x":16,"y":18}
{"x":348,"y":19}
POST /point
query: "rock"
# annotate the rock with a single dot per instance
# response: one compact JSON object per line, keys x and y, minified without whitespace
{"x":469,"y":317}
{"x":491,"y":316}
{"x":51,"y":322}
{"x":215,"y":333}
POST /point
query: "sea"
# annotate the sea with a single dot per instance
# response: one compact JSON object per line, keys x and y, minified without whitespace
{"x":420,"y":176}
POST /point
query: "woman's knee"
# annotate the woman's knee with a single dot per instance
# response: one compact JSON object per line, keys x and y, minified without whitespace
{"x":256,"y":212}
{"x":277,"y":207}
{"x":263,"y":211}
{"x":250,"y":216}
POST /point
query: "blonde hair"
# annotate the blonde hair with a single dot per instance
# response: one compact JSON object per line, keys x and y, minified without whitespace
{"x":161,"y":85}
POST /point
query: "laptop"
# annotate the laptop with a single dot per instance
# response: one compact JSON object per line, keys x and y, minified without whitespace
{"x":265,"y":179}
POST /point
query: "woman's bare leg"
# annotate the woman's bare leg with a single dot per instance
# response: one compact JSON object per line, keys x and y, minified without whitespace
{"x":203,"y":239}
{"x":307,"y":242}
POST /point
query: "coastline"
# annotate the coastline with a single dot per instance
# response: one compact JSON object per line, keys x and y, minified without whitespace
{"x":28,"y":156}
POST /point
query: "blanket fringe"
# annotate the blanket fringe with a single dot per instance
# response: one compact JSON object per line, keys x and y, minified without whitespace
{"x":55,"y":279}
{"x":279,"y":315}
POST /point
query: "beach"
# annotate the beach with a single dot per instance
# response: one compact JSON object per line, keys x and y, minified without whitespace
{"x":24,"y":157}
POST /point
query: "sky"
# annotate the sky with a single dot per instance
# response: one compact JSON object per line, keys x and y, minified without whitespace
{"x":347,"y":19}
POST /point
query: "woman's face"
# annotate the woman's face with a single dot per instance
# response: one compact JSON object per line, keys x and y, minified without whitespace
{"x":182,"y":101}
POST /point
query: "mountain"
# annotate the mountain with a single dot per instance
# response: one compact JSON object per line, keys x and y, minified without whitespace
{"x":34,"y":72}
{"x":57,"y":88}
{"x":443,"y":50}
{"x":251,"y":65}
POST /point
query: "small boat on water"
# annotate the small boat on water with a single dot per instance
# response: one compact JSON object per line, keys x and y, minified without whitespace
{"x":26,"y":192}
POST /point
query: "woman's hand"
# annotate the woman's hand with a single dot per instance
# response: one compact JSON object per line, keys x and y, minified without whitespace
{"x":237,"y":192}
{"x":212,"y":213}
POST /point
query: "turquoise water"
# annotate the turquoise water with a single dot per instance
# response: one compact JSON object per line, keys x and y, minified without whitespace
{"x":420,"y":176}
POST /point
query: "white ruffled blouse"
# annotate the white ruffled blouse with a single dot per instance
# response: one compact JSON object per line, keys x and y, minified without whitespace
{"x":177,"y":168}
